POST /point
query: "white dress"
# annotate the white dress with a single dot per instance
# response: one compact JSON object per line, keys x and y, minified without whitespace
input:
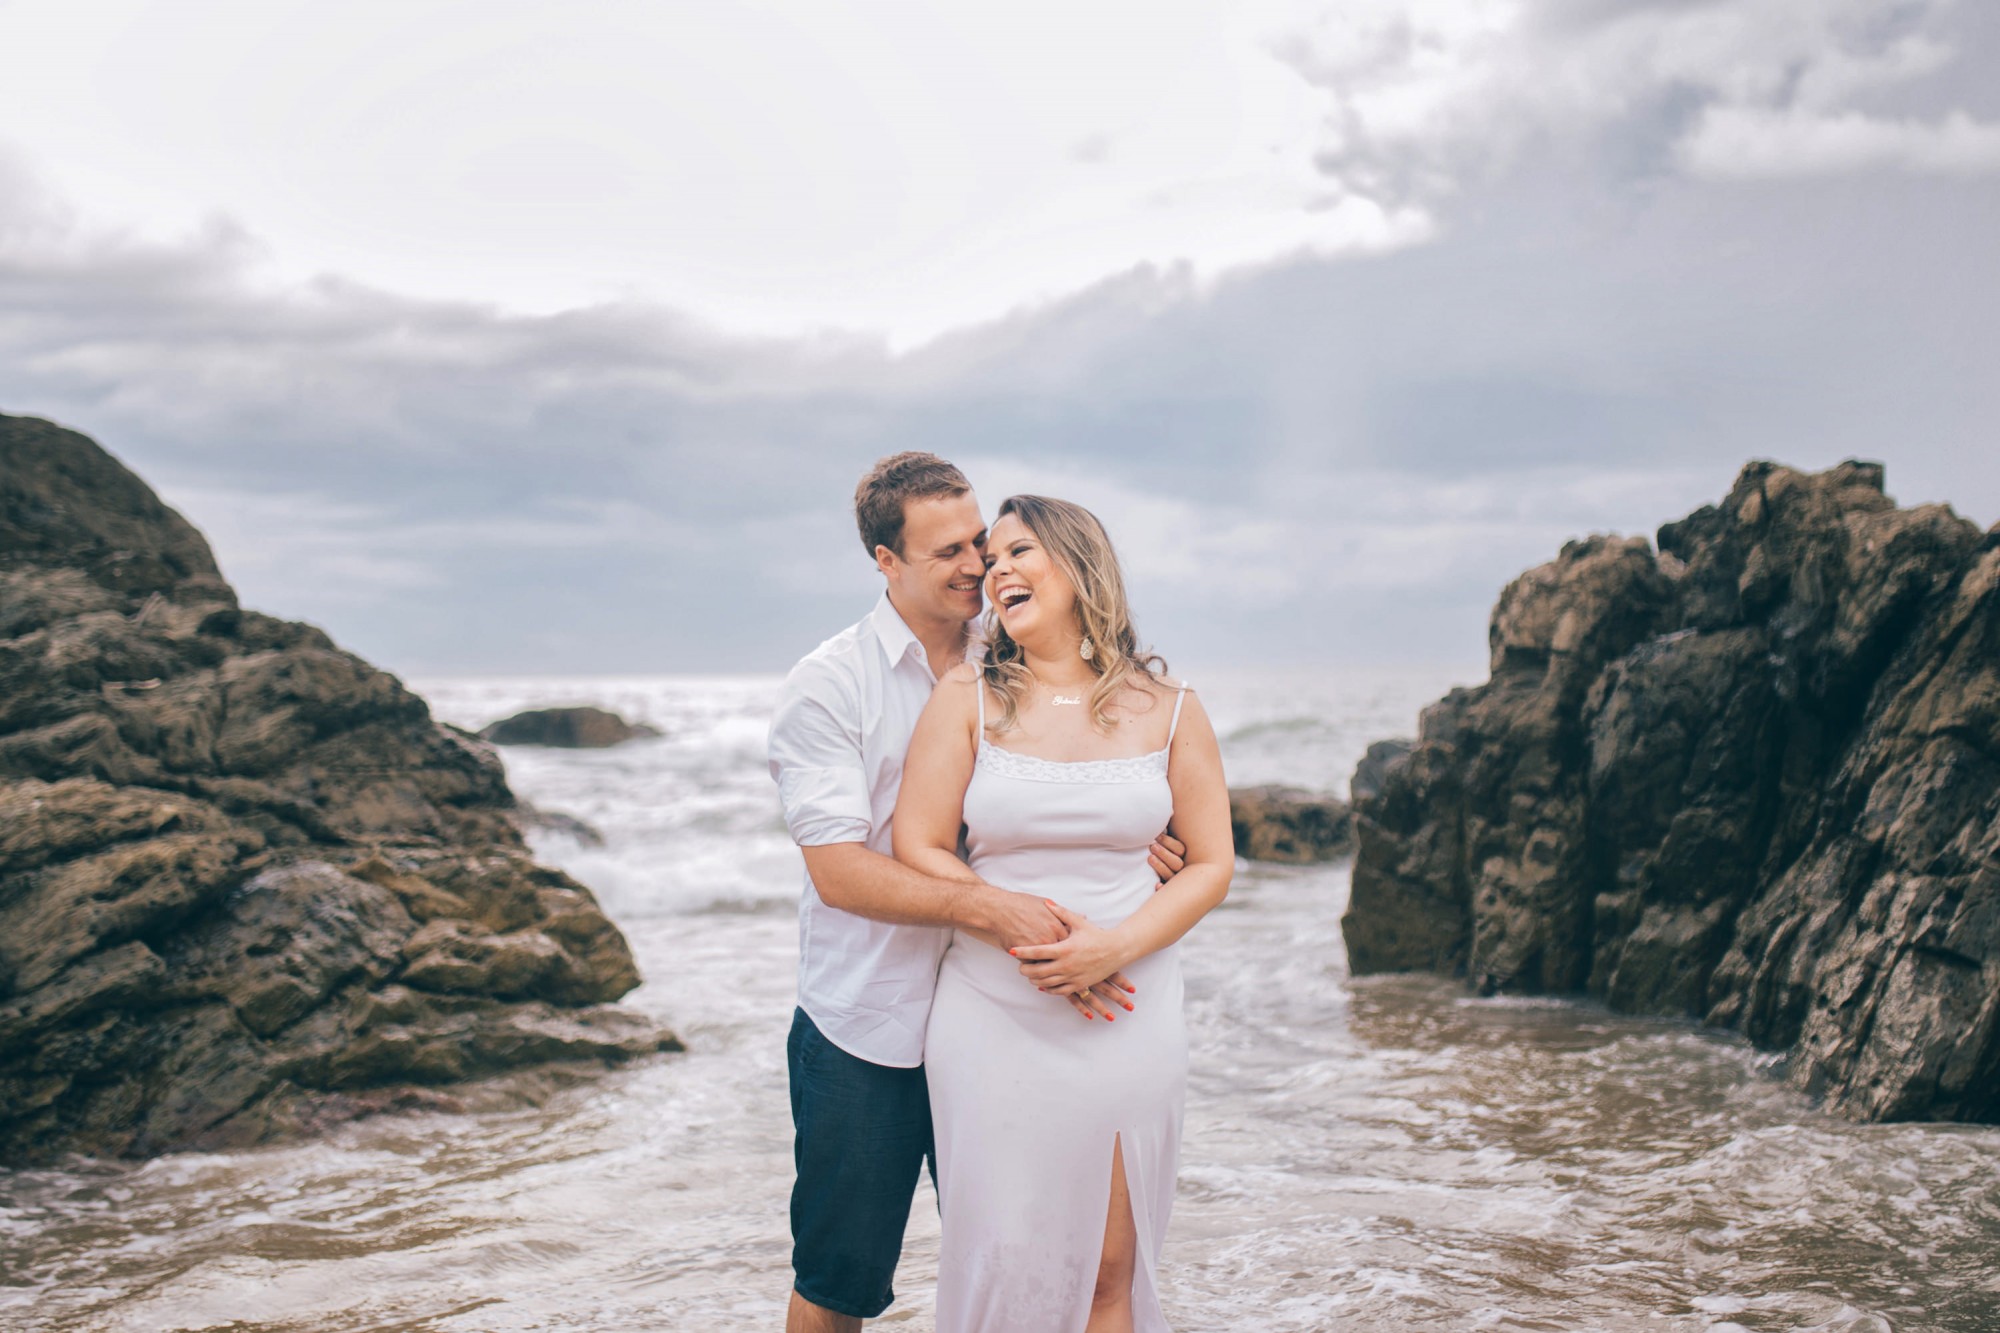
{"x":1027,"y":1096}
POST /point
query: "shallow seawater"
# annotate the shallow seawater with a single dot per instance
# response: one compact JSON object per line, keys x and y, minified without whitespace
{"x":1381,"y":1154}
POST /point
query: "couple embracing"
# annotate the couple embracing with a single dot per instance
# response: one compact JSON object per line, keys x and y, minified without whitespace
{"x":988,"y":976}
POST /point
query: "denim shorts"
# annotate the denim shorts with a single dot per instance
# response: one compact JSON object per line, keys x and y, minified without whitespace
{"x":862,"y":1133}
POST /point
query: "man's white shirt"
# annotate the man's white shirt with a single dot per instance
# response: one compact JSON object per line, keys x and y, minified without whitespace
{"x":838,"y":737}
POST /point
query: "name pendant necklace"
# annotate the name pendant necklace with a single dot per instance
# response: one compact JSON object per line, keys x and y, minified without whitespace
{"x":1058,"y":699}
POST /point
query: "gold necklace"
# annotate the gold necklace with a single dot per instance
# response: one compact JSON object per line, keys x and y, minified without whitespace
{"x":1056,"y":698}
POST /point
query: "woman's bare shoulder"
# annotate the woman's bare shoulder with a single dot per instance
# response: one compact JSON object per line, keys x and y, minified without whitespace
{"x":954,"y":696}
{"x":1161,"y":687}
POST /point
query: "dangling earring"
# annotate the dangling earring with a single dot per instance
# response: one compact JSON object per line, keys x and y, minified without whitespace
{"x":1085,"y":651}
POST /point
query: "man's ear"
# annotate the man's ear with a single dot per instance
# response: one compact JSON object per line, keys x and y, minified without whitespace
{"x":886,"y":560}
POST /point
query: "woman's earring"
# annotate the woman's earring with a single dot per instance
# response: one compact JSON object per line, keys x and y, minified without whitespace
{"x":1085,"y":650}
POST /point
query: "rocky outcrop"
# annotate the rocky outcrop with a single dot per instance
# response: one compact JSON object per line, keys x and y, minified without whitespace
{"x":248,"y":885}
{"x":580,"y":728}
{"x":1287,"y":825}
{"x":1752,"y":778}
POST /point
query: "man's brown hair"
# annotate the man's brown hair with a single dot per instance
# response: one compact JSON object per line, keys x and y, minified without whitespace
{"x":892,"y":483}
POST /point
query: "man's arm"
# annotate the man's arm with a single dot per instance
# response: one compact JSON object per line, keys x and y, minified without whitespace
{"x":816,"y":759}
{"x":854,"y":879}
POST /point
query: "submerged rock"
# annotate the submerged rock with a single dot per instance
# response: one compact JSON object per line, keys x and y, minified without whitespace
{"x":573,"y":728}
{"x":1753,"y":779}
{"x":528,"y":816}
{"x":1287,"y":825}
{"x":248,"y":887}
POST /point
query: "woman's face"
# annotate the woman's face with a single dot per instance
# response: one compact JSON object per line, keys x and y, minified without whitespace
{"x":1034,"y":601}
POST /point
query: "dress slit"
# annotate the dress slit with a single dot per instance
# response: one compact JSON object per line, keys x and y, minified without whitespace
{"x":1141,"y":1290}
{"x":1140,"y":1200}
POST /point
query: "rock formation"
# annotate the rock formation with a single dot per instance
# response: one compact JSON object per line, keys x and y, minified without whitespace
{"x":247,"y":884}
{"x":572,"y":728}
{"x":1753,"y":779}
{"x":1288,"y":825}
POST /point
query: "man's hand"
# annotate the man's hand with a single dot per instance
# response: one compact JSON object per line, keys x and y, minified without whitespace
{"x":1167,"y":855}
{"x":1019,"y":920}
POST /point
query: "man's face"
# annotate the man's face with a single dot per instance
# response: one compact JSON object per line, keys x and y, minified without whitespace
{"x":944,"y":558}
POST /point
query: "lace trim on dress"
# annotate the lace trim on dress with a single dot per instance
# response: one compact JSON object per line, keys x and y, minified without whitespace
{"x":1132,"y":768}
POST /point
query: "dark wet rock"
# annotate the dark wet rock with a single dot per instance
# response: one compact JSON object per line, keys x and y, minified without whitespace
{"x":248,"y":886}
{"x":1288,"y":825}
{"x":572,"y":728}
{"x":1375,"y":765}
{"x":1752,"y":779}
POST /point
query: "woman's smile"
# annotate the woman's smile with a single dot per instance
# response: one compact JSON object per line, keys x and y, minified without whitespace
{"x":1010,"y":595}
{"x":1013,"y":599}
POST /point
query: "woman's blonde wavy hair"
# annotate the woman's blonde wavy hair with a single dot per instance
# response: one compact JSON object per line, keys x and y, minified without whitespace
{"x":1079,"y":547}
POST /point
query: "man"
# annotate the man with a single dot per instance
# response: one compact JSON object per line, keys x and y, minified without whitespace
{"x":871,"y":930}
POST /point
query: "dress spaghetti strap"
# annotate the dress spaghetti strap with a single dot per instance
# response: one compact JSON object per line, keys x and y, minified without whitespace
{"x":1174,"y":725}
{"x":979,"y":692}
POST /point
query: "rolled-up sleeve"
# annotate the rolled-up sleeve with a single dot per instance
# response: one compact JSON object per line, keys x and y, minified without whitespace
{"x":816,"y":760}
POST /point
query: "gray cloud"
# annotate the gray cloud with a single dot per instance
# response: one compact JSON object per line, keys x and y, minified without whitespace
{"x":1311,"y":461}
{"x":1424,"y":103}
{"x":1736,"y":142}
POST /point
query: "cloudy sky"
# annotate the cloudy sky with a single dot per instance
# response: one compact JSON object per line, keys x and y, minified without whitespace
{"x":531,"y":337}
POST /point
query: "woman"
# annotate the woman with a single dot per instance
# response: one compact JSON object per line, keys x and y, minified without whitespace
{"x":1058,"y":1136}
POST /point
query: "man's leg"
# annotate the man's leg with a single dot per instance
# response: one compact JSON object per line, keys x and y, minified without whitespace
{"x":805,"y":1317}
{"x":861,"y":1133}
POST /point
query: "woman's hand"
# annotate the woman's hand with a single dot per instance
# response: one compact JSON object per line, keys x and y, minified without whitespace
{"x":1075,"y":964}
{"x":1101,"y":999}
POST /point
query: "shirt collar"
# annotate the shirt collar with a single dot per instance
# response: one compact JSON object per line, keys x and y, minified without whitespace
{"x":898,"y":640}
